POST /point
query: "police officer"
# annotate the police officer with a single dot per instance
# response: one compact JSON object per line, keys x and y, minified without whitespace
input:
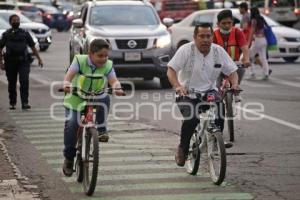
{"x":16,"y":60}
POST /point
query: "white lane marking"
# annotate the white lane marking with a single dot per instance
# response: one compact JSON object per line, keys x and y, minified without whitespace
{"x":288,"y":83}
{"x":274,"y":119}
{"x":255,"y":85}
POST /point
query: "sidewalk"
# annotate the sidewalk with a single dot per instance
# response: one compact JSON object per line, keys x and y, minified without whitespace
{"x":12,"y":185}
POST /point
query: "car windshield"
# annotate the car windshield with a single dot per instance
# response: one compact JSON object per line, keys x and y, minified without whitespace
{"x":29,"y":8}
{"x":44,"y":2}
{"x":4,"y":24}
{"x":123,"y":15}
{"x":271,"y":22}
{"x":23,"y":19}
{"x":48,"y":9}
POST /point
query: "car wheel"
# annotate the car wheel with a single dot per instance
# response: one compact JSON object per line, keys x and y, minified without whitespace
{"x":44,"y":48}
{"x":182,"y":43}
{"x":290,"y":59}
{"x":164,"y":83}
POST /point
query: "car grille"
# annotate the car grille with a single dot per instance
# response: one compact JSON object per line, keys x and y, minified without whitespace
{"x":292,"y":39}
{"x":122,"y":61}
{"x":39,"y":31}
{"x":140,"y":44}
{"x":294,"y":50}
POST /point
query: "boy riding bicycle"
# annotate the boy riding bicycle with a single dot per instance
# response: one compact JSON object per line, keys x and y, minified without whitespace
{"x":79,"y":75}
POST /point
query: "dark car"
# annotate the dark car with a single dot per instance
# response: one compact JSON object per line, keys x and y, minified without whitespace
{"x":53,"y":18}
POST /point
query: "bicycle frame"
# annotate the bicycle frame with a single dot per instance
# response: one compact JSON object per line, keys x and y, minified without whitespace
{"x":207,"y":126}
{"x":87,"y":121}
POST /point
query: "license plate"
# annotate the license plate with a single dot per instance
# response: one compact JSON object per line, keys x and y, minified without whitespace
{"x":60,"y":18}
{"x":42,"y":40}
{"x":132,"y":56}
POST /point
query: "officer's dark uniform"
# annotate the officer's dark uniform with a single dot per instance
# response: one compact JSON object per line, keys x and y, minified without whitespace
{"x":16,"y":61}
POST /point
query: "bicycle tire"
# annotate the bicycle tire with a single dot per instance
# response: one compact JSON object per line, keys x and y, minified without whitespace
{"x":89,"y":183}
{"x":79,"y":169}
{"x":217,"y":174}
{"x":193,"y":160}
{"x":229,"y":115}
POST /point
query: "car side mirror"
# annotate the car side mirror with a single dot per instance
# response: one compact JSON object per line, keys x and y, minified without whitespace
{"x":77,"y":23}
{"x":168,"y":22}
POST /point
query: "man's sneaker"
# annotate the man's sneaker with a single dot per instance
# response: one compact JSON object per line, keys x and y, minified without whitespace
{"x":103,"y":136}
{"x":12,"y":107}
{"x":26,"y":106}
{"x":180,"y":157}
{"x":68,"y":167}
{"x":228,"y":145}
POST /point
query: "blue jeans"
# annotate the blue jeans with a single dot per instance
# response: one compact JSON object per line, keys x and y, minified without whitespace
{"x":72,"y":125}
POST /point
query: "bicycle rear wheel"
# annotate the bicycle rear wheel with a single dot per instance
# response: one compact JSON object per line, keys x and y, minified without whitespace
{"x":216,"y":157}
{"x":193,"y":160}
{"x":90,"y":165}
{"x":229,"y":115}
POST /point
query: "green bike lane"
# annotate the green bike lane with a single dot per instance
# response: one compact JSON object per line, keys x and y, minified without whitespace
{"x":136,"y":163}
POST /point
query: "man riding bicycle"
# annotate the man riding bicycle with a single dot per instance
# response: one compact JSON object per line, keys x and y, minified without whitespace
{"x":79,"y":75}
{"x":233,"y":41}
{"x":197,"y":65}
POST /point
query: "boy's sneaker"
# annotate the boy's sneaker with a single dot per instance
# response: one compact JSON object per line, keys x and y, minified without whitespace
{"x":228,"y":144}
{"x":103,"y":136}
{"x":68,"y":167}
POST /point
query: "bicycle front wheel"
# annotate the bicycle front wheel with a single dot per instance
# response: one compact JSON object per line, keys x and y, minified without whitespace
{"x":193,"y":160}
{"x":229,"y":115}
{"x":216,"y":157}
{"x":90,"y":164}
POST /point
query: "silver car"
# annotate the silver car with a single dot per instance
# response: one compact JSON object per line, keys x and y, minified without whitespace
{"x":140,"y":43}
{"x":41,"y":31}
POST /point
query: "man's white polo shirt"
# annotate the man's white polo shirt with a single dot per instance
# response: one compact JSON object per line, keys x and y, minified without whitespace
{"x":203,"y":75}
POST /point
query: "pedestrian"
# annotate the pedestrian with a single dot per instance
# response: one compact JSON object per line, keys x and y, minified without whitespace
{"x":258,"y":42}
{"x":16,"y":61}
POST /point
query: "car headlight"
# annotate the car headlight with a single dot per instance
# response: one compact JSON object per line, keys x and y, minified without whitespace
{"x":281,"y":39}
{"x":163,"y":41}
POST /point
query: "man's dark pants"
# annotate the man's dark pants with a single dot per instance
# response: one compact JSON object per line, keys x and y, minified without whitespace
{"x":187,"y":107}
{"x":14,"y":68}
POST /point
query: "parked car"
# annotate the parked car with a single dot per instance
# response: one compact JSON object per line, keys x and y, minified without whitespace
{"x":54,"y":18}
{"x":140,"y":43}
{"x":288,"y":38}
{"x":4,"y":25}
{"x":41,"y":31}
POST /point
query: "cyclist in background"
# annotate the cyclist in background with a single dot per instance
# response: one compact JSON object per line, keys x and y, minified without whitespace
{"x":233,"y":41}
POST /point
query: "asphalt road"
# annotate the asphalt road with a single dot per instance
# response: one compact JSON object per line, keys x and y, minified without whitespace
{"x":265,"y":159}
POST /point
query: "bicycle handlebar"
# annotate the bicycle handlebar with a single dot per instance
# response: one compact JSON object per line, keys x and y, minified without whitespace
{"x":76,"y":90}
